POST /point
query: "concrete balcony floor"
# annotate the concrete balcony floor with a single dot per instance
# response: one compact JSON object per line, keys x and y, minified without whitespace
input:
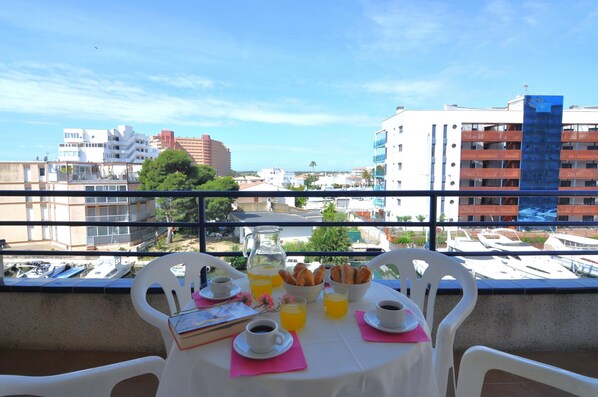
{"x":497,"y":383}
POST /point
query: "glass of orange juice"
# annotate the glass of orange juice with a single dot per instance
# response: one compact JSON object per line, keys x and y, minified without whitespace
{"x":293,"y":313}
{"x":336,"y":301}
{"x":260,"y":286}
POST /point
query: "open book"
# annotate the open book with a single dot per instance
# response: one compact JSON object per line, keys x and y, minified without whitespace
{"x":203,"y":326}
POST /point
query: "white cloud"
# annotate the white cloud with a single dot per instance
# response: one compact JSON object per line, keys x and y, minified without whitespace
{"x":183,"y":81}
{"x":407,"y":88}
{"x":61,"y":91}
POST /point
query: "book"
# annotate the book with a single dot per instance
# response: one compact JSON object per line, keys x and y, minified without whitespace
{"x":207,"y":325}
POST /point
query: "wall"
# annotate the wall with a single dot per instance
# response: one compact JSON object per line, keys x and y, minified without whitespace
{"x":108,"y":321}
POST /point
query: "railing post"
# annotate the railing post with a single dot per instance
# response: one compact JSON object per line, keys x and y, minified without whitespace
{"x":1,"y":263}
{"x":201,"y":204}
{"x":432,"y":227}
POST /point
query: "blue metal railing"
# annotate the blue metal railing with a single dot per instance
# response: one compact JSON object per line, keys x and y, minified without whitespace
{"x":202,"y":224}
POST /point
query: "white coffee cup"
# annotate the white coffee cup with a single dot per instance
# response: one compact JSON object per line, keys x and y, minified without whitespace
{"x":221,"y":286}
{"x":391,"y":313}
{"x":262,"y":335}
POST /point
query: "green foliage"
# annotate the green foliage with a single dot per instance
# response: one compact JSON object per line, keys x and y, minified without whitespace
{"x":297,"y":246}
{"x":218,"y":208}
{"x":405,"y":238}
{"x":300,"y":202}
{"x":328,"y":238}
{"x":309,"y":181}
{"x":405,"y":218}
{"x":238,"y":262}
{"x":174,"y":170}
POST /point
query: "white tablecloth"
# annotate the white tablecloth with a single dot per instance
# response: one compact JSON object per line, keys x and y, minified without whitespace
{"x":339,"y":362}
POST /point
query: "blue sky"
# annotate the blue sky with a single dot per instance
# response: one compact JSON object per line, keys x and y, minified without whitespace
{"x":281,"y":83}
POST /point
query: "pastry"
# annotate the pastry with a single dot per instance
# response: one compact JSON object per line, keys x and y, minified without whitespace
{"x":364,"y":275}
{"x":319,"y":275}
{"x":347,"y":274}
{"x":335,"y":273}
{"x":298,"y":267}
{"x":287,"y":277}
{"x":305,"y":278}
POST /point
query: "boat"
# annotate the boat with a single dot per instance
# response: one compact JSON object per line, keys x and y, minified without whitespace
{"x":482,"y":267}
{"x":586,"y":265}
{"x":71,"y":272}
{"x":109,"y":267}
{"x":42,"y":269}
{"x":535,"y":266}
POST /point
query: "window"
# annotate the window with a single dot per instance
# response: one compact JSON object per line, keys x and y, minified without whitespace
{"x":589,"y":201}
{"x":400,"y":148}
{"x":42,"y":171}
{"x":592,"y":165}
{"x":565,"y":184}
{"x":587,"y":218}
{"x":566,"y":165}
{"x":590,"y":183}
{"x":400,"y":166}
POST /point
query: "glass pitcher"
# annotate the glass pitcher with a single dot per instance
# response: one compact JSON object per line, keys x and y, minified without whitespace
{"x":266,"y":256}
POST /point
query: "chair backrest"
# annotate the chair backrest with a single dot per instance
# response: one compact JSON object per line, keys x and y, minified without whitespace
{"x":418,"y":288}
{"x":478,"y":360}
{"x":93,"y":382}
{"x":177,"y":291}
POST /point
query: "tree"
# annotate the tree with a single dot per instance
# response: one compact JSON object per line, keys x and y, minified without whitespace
{"x":421,"y":218}
{"x":174,"y":170}
{"x":300,"y":202}
{"x":330,"y":238}
{"x":218,"y":208}
{"x":366,"y":175}
{"x":313,"y":165}
{"x":309,"y":181}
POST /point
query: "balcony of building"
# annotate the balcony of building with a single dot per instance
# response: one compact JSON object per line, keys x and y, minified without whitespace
{"x":580,"y":136}
{"x":578,"y":155}
{"x":490,"y":154}
{"x":55,"y":325}
{"x":578,"y":173}
{"x":490,"y":173}
{"x":491,"y":136}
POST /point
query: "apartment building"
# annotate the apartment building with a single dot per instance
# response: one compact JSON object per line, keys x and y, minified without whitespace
{"x":531,"y":144}
{"x":202,"y":150}
{"x":73,"y":176}
{"x":121,"y":144}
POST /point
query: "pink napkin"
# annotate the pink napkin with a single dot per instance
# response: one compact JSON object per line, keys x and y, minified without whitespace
{"x":373,"y":335}
{"x":202,"y":302}
{"x":291,"y":360}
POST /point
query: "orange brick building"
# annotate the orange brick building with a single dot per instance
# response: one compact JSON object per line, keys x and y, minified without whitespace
{"x":202,"y":150}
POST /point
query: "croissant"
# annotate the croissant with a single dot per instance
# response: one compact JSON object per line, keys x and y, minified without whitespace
{"x":347,"y":274}
{"x":319,"y":275}
{"x":335,"y":273}
{"x":364,"y":275}
{"x":298,"y":267}
{"x":287,"y":277}
{"x":305,"y":278}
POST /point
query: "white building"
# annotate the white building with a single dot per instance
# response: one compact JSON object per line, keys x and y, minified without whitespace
{"x":120,"y":144}
{"x":495,"y":149}
{"x":279,"y":177}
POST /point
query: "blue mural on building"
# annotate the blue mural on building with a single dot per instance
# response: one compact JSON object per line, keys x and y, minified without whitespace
{"x":540,"y":155}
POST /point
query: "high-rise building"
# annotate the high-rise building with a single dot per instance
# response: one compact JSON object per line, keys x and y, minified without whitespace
{"x":202,"y":150}
{"x":531,"y":144}
{"x":120,"y":144}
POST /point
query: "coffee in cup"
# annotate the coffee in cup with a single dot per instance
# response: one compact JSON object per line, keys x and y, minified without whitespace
{"x":262,"y":335}
{"x":221,"y":286}
{"x":391,"y":313}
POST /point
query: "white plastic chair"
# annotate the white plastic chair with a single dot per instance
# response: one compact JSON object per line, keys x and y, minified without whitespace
{"x":478,"y":360}
{"x":177,"y":292}
{"x":416,"y":288}
{"x":92,"y":382}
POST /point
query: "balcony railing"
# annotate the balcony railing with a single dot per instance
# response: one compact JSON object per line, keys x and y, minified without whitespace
{"x":202,"y":225}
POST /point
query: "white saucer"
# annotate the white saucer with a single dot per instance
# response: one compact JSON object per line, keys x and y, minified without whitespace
{"x":409,"y":324}
{"x":240,"y":345}
{"x":207,"y":293}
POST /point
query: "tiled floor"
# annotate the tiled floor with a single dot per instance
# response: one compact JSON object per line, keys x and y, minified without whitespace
{"x":497,"y":383}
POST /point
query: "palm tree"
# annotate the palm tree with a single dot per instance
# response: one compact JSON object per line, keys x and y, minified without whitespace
{"x":312,"y":164}
{"x":367,"y":177}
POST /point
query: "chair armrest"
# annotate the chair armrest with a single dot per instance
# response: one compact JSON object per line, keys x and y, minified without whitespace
{"x":478,"y":360}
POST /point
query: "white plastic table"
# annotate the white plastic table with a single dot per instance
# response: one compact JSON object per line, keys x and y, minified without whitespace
{"x":339,"y":361}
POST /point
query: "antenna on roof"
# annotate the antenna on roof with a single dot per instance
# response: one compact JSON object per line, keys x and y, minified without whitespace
{"x":525,"y":88}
